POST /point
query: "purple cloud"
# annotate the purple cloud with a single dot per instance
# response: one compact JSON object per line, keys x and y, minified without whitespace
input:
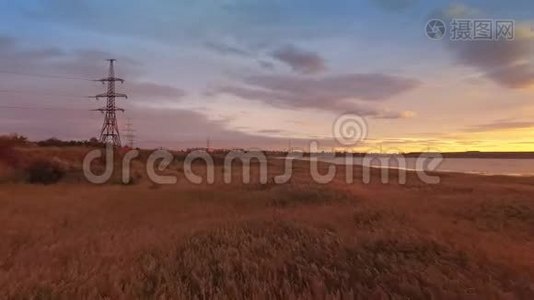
{"x":301,"y":61}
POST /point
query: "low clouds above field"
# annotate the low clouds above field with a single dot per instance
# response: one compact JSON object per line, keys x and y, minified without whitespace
{"x":186,"y":128}
{"x":339,"y":93}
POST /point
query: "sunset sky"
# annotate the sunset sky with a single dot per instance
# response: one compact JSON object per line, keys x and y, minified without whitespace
{"x":258,"y":73}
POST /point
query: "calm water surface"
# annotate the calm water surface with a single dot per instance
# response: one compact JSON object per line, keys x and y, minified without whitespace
{"x":485,"y":166}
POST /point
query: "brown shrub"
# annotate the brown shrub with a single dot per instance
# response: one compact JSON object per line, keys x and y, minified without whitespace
{"x":45,"y":172}
{"x":8,"y":154}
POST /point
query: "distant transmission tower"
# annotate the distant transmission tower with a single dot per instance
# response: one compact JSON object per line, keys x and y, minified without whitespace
{"x":110,"y":129}
{"x":289,"y":147}
{"x":130,"y":134}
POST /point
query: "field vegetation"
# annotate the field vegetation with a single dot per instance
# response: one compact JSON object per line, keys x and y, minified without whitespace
{"x":469,"y":237}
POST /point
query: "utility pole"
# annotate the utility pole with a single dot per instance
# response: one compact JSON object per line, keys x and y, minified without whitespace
{"x":130,"y":134}
{"x":110,"y":129}
{"x":289,"y":148}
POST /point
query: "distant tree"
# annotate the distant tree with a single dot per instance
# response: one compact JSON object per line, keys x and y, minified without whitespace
{"x":54,"y":142}
{"x":50,"y":142}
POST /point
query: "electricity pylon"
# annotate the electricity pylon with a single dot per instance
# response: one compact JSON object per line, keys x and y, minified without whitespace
{"x":110,"y":129}
{"x":130,"y":134}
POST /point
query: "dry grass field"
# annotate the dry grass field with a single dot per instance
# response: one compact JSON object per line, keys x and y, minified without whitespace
{"x":469,"y":237}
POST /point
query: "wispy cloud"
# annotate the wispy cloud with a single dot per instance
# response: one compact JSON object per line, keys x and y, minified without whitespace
{"x":500,"y":125}
{"x":338,"y":93}
{"x":301,"y":61}
{"x":226,"y":49}
{"x":153,"y":90}
{"x":187,"y":129}
{"x":81,"y":63}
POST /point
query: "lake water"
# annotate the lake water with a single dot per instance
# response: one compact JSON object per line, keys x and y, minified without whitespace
{"x":484,"y":166}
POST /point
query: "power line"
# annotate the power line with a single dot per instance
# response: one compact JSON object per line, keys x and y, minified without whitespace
{"x":37,"y":108}
{"x":44,"y":75}
{"x":37,"y":93}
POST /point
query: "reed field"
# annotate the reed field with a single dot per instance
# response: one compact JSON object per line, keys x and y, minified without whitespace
{"x":468,"y":237}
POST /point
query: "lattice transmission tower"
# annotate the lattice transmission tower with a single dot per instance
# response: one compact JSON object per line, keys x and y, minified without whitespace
{"x":130,"y":134}
{"x":110,"y":129}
